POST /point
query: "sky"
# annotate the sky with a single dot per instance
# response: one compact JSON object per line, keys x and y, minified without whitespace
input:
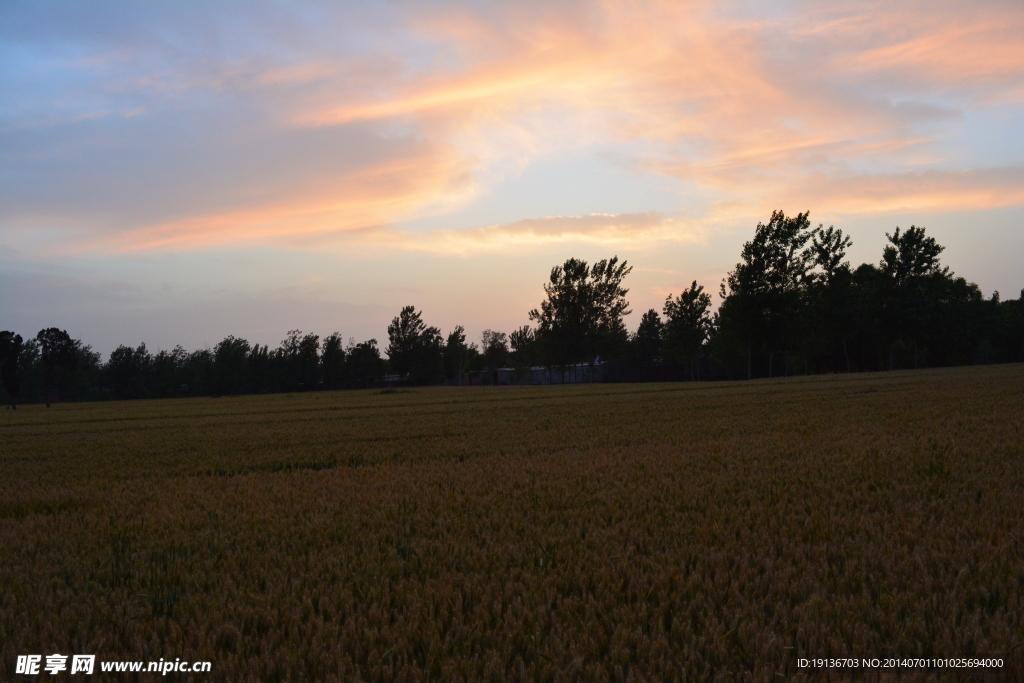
{"x":172,"y":173}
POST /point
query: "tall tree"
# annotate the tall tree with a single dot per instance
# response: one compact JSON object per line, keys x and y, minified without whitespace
{"x":457,"y":354}
{"x":332,"y":361}
{"x":230,"y":358}
{"x":916,"y":281}
{"x":414,"y":350}
{"x":200,"y":373}
{"x":168,"y":372}
{"x":127,"y":371}
{"x":1010,"y":322}
{"x":762,"y":295}
{"x":911,"y":255}
{"x":523,"y":342}
{"x":581,"y":318}
{"x":404,"y":337}
{"x":363,"y":361}
{"x":687,"y":324}
{"x":58,"y":354}
{"x":263,"y":369}
{"x":494,"y":347}
{"x":301,"y":357}
{"x":646,"y":343}
{"x":11,"y":370}
{"x":830,"y":324}
{"x":828,"y":249}
{"x":309,"y":361}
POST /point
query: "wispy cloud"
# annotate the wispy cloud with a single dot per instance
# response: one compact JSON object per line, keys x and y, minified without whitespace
{"x":188,"y":140}
{"x":611,"y":230}
{"x":911,"y":191}
{"x":355,"y":208}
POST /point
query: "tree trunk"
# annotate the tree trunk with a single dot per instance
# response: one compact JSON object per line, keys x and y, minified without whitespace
{"x":846,"y":354}
{"x":915,"y":354}
{"x":771,"y":362}
{"x":748,"y":361}
{"x":891,"y":347}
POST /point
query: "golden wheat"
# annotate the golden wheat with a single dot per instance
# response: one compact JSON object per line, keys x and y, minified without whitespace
{"x":652,"y":532}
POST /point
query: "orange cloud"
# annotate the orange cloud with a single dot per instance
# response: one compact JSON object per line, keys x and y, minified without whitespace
{"x":839,"y":107}
{"x":354,"y":207}
{"x":618,"y":229}
{"x":355,"y":222}
{"x":979,"y":47}
{"x":930,"y":190}
{"x":718,"y":104}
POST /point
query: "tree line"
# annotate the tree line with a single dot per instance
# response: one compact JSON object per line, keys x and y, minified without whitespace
{"x":792,"y":305}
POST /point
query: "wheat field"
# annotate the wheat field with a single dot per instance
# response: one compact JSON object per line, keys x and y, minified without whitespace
{"x":655,"y":532}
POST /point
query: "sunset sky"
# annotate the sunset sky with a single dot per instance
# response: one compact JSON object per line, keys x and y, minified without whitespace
{"x":176,"y":172}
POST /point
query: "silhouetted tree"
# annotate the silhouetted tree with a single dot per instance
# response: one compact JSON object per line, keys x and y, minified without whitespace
{"x":868,"y":292}
{"x":763,"y":297}
{"x":830,"y":323}
{"x":457,"y":354}
{"x":300,"y":354}
{"x":167,"y":372}
{"x":332,"y":361}
{"x":59,"y":357}
{"x":405,"y":335}
{"x":494,"y":347}
{"x":911,"y":255}
{"x":1013,"y":321}
{"x":581,"y":318}
{"x":200,"y":373}
{"x":127,"y":371}
{"x":264,"y":369}
{"x":523,"y":342}
{"x":646,"y":343}
{"x":32,"y":387}
{"x":1009,"y":324}
{"x":916,"y":281}
{"x":11,"y":370}
{"x":687,"y":325}
{"x":415,"y":350}
{"x":230,"y":361}
{"x":364,"y":361}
